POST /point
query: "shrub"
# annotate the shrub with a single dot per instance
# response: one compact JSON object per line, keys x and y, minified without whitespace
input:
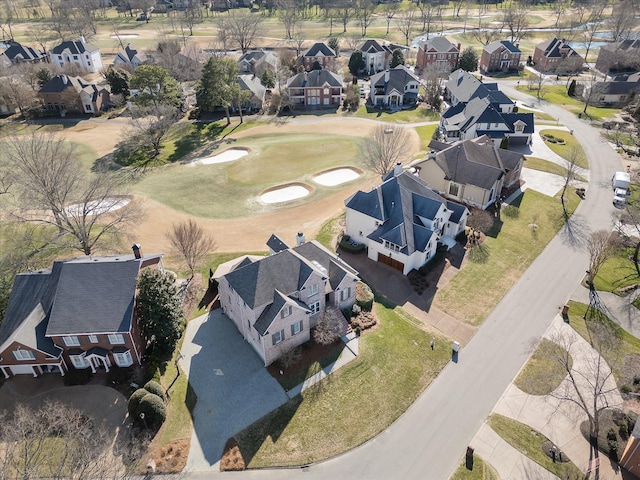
{"x":153,"y":408}
{"x":511,"y":211}
{"x":347,"y":312}
{"x":611,"y":434}
{"x":625,"y":389}
{"x":462,"y":237}
{"x":77,"y":377}
{"x":154,"y":387}
{"x":355,"y":310}
{"x":134,"y":402}
{"x":349,"y":246}
{"x":613,"y":448}
{"x":623,"y":432}
{"x":364,"y":296}
{"x":290,"y":357}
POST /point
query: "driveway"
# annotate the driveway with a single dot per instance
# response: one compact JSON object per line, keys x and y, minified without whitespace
{"x":232,"y":385}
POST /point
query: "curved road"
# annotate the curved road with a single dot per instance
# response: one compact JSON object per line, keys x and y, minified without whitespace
{"x":429,"y":440}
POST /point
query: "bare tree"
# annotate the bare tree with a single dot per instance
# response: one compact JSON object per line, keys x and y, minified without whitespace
{"x":384,"y":147}
{"x":151,"y":125}
{"x":427,"y":14}
{"x":576,"y":157}
{"x":516,"y":20}
{"x":15,"y":91}
{"x":600,"y":250}
{"x":390,"y":10}
{"x":484,"y":35}
{"x":593,"y":24}
{"x":242,"y":29}
{"x":623,"y":20}
{"x":298,"y":40}
{"x":290,"y":16}
{"x":328,"y":329}
{"x":192,"y":242}
{"x":50,"y":187}
{"x":406,"y":23}
{"x":192,"y":15}
{"x":537,"y":82}
{"x":433,"y":80}
{"x":364,"y":14}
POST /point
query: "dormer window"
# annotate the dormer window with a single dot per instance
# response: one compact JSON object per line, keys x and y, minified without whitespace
{"x":312,"y":290}
{"x":286,"y":311}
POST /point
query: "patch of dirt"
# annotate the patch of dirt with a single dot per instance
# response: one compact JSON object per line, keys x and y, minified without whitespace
{"x":170,"y":458}
{"x":308,"y":357}
{"x":232,"y":459}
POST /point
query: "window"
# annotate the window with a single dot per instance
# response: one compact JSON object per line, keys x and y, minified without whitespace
{"x":277,"y":337}
{"x":79,"y":361}
{"x":123,"y":359}
{"x":88,"y":107}
{"x":286,"y":311}
{"x":345,"y":294}
{"x":93,"y":339}
{"x":314,"y":307}
{"x":296,"y":328}
{"x":312,"y":290}
{"x":24,"y":354}
{"x":326,"y":91}
{"x":87,"y":57}
{"x":116,"y":339}
{"x":71,"y":341}
{"x":454,"y":189}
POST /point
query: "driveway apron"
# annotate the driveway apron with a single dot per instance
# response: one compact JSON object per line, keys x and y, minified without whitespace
{"x":232,"y":385}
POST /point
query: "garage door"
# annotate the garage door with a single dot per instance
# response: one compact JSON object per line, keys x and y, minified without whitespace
{"x":22,"y":370}
{"x":390,"y":261}
{"x":517,"y":141}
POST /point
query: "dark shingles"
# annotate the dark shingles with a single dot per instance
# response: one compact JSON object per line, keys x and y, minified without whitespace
{"x":399,"y":77}
{"x":319,"y":47}
{"x":336,"y":268}
{"x":315,"y":78}
{"x":74,"y":47}
{"x":276,"y":244}
{"x":22,"y":52}
{"x":367,"y":203}
{"x":438,"y":44}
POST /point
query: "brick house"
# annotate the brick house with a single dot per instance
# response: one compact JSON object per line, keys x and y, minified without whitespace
{"x":500,"y":56}
{"x":73,"y":94}
{"x":619,"y":56}
{"x":316,"y":88}
{"x":18,"y":53}
{"x":79,"y":313}
{"x":438,"y":53}
{"x":319,"y":54}
{"x":556,"y":56}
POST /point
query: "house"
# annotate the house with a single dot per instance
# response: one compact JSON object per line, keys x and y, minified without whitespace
{"x":473,"y":172}
{"x":462,"y":87}
{"x":479,"y":117}
{"x":77,"y":53}
{"x":316,"y":88}
{"x":73,"y":94}
{"x":630,"y":458}
{"x":556,"y":56}
{"x":619,"y":56}
{"x":257,"y":91}
{"x":394,"y":88}
{"x":80,"y":313}
{"x":376,"y":57}
{"x":129,"y":58}
{"x":402,"y":220}
{"x":611,"y":94}
{"x":257,"y":61}
{"x":18,"y":53}
{"x":500,"y":56}
{"x":275,"y":301}
{"x":319,"y":55}
{"x":439,"y":54}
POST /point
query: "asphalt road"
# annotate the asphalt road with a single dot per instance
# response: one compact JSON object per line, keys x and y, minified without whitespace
{"x":429,"y":440}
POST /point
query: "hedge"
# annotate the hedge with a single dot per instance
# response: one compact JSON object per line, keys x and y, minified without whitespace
{"x":153,"y":408}
{"x":364,"y":296}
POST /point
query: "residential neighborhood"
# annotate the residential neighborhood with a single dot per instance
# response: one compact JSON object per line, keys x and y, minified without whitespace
{"x":376,"y":240}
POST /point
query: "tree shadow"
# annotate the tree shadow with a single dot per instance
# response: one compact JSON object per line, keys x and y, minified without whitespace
{"x":575,"y":230}
{"x":199,"y":135}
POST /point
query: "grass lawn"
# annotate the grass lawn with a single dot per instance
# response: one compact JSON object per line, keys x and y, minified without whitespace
{"x":329,"y":230}
{"x":512,"y":245}
{"x":481,"y":471}
{"x":617,"y":272}
{"x":619,"y":344}
{"x":530,"y":443}
{"x":542,"y":374}
{"x":536,"y":114}
{"x":418,"y":114}
{"x":536,"y":163}
{"x":231,"y":189}
{"x":557,"y":94}
{"x":343,"y":411}
{"x":426,"y":134}
{"x":565,"y":150}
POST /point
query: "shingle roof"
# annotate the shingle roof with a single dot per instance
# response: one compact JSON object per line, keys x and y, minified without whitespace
{"x":314,"y":79}
{"x":622,"y":45}
{"x":466,"y":87}
{"x":129,"y":54}
{"x":551,"y":48}
{"x":22,"y":52}
{"x":335,"y":268}
{"x":372,"y":46}
{"x":73,"y":47}
{"x":251,"y":83}
{"x":399,"y":77}
{"x":276,"y":244}
{"x":319,"y":48}
{"x":438,"y":44}
{"x":499,"y":44}
{"x":511,"y":119}
{"x":616,"y":88}
{"x":60,"y":83}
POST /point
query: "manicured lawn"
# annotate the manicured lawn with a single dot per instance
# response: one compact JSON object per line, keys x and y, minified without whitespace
{"x":542,"y":374}
{"x":537,"y":115}
{"x":617,"y":343}
{"x":481,"y":471}
{"x":557,"y":94}
{"x":565,"y":150}
{"x":512,"y":246}
{"x":344,"y":410}
{"x":530,"y":442}
{"x":536,"y":163}
{"x":617,"y":272}
{"x":231,"y":189}
{"x":426,"y":134}
{"x":418,"y":114}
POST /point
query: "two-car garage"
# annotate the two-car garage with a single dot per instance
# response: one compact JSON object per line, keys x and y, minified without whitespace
{"x":392,"y":262}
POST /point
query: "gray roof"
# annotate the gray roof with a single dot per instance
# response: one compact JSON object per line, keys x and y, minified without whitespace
{"x":438,"y":44}
{"x":270,"y":313}
{"x":22,"y":52}
{"x":399,"y":77}
{"x":623,"y":45}
{"x":318,"y":255}
{"x":399,"y":203}
{"x":314,"y":79}
{"x":251,"y":83}
{"x":372,"y":46}
{"x":319,"y":48}
{"x":499,"y":44}
{"x":616,"y":88}
{"x":73,"y":47}
{"x":465,"y":87}
{"x":551,"y":48}
{"x":60,"y":83}
{"x":479,"y":110}
{"x":129,"y":54}
{"x":276,"y":244}
{"x":95,"y":295}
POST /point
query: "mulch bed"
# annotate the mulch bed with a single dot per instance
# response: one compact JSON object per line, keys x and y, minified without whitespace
{"x":309,"y":356}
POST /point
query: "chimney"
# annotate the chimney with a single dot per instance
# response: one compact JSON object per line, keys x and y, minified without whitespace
{"x":82,"y":39}
{"x":397,"y":169}
{"x":300,"y":239}
{"x":137,"y":251}
{"x":387,"y":75}
{"x":459,"y":47}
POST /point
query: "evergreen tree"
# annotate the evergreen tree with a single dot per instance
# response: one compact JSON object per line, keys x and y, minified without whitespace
{"x":356,"y":63}
{"x":218,"y":87}
{"x":468,"y":60}
{"x":397,"y":58}
{"x":572,"y":88}
{"x":268,"y":78}
{"x":159,"y":311}
{"x":118,"y":80}
{"x":156,"y":86}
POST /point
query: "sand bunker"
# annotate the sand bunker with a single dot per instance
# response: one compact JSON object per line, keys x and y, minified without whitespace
{"x":226,"y":156}
{"x":98,"y":207}
{"x":126,"y":35}
{"x":284,"y":194}
{"x":336,"y":177}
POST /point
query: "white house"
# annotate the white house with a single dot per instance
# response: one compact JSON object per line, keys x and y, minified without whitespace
{"x":376,"y":57}
{"x":402,"y":220}
{"x":130,"y":58}
{"x":394,"y":88}
{"x":78,"y":53}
